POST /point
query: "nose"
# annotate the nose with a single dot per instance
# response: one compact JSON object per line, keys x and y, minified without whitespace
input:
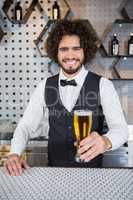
{"x":70,"y":53}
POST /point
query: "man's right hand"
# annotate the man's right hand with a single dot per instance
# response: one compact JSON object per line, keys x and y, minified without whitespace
{"x":14,"y":165}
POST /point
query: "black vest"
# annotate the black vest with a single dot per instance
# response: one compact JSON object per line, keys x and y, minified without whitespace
{"x":61,"y":150}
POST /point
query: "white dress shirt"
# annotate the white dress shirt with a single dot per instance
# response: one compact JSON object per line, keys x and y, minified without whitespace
{"x":36,"y":109}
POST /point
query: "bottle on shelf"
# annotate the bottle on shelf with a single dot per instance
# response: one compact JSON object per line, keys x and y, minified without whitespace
{"x":18,"y":11}
{"x":114,"y":45}
{"x":130,"y":45}
{"x":55,"y":11}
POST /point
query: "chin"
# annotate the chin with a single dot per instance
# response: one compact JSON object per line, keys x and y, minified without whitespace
{"x":71,"y":70}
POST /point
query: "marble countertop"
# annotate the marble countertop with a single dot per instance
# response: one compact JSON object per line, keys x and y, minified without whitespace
{"x":68,"y":183}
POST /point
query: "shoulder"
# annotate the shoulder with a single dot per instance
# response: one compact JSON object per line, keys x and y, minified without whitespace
{"x":41,"y":84}
{"x":105,"y":82}
{"x":107,"y":87}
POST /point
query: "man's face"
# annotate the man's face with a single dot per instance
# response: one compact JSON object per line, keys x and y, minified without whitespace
{"x":70,"y":54}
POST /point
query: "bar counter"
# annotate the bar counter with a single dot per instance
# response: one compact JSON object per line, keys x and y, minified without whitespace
{"x":68,"y":184}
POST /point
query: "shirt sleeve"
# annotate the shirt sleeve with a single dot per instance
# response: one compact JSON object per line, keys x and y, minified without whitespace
{"x":118,"y":129}
{"x":31,"y":121}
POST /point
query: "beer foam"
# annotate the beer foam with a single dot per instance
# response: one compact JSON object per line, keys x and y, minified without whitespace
{"x":82,"y":112}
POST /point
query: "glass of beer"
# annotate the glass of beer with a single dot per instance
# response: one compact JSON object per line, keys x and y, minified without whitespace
{"x":82,"y":127}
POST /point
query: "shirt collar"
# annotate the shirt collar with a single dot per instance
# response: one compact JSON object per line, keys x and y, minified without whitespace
{"x":78,"y":77}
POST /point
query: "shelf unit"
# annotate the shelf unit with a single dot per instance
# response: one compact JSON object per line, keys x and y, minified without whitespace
{"x":123,"y":36}
{"x":65,"y":10}
{"x":1,"y":33}
{"x":126,"y":10}
{"x":122,"y":27}
{"x":122,"y":79}
{"x":39,"y":42}
{"x":8,"y":9}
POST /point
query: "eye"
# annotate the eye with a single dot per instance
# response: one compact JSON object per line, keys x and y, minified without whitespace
{"x":63,"y":49}
{"x":76,"y":48}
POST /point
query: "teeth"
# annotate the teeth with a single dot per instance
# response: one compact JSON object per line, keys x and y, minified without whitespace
{"x":71,"y":62}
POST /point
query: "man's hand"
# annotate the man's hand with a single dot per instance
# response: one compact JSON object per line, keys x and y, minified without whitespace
{"x":14,"y":165}
{"x":92,"y":146}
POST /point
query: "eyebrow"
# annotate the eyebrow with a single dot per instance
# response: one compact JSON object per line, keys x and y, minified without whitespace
{"x":66,"y":48}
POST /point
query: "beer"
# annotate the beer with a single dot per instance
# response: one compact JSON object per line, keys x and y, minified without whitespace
{"x":82,"y":126}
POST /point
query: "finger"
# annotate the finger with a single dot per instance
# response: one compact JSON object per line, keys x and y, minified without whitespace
{"x":14,"y":166}
{"x":92,"y":156}
{"x":83,"y":149}
{"x":88,"y":142}
{"x":75,"y":144}
{"x":18,"y":164}
{"x":7,"y":167}
{"x":88,"y":153}
{"x":10,"y":169}
{"x":85,"y":141}
{"x":19,"y":167}
{"x":10,"y":165}
{"x":89,"y":139}
{"x":86,"y":147}
{"x":25,"y":165}
{"x":6,"y":170}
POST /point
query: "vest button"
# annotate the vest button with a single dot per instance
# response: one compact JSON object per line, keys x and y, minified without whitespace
{"x":69,"y":127}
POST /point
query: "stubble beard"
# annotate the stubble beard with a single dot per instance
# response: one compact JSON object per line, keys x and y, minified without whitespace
{"x":71,"y":71}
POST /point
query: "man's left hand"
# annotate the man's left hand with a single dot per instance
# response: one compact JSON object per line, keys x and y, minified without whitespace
{"x":93,"y":145}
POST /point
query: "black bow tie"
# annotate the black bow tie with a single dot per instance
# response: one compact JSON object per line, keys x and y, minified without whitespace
{"x":65,"y":82}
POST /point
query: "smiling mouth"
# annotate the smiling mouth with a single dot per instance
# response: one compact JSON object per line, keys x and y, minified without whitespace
{"x":71,"y":61}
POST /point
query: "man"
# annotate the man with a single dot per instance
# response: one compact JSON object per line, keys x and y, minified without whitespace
{"x":71,"y":44}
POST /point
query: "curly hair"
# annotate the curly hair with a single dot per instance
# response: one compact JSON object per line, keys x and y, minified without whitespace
{"x":88,"y":38}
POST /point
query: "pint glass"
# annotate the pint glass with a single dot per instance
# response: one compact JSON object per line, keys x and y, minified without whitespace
{"x":82,"y":127}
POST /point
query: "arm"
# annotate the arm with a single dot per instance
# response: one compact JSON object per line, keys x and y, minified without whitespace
{"x":26,"y":129}
{"x":118,"y":129}
{"x":30,"y":122}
